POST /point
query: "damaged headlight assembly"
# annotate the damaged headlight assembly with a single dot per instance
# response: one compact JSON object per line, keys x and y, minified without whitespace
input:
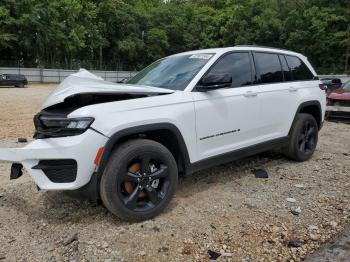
{"x":46,"y":127}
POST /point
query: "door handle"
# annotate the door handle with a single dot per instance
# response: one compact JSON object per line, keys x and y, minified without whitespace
{"x":250,"y":94}
{"x":293,"y":89}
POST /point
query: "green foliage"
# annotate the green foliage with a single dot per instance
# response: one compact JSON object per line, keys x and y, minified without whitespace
{"x":129,"y":34}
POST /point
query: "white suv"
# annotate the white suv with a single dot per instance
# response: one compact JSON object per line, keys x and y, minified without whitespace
{"x":128,"y":143}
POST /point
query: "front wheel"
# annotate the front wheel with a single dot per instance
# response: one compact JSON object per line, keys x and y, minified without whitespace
{"x":139,"y":180}
{"x":303,"y":138}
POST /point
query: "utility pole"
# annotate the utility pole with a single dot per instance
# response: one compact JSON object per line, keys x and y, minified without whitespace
{"x":101,"y":57}
{"x":347,"y":54}
{"x":347,"y":43}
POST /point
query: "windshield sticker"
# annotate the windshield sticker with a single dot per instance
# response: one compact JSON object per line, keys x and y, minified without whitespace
{"x":201,"y":56}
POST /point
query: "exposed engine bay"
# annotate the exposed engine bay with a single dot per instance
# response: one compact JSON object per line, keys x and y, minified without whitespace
{"x":79,"y":90}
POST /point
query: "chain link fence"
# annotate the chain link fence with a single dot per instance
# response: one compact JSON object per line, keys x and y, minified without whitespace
{"x":43,"y":75}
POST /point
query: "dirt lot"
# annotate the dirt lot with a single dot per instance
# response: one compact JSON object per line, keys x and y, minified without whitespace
{"x":223,"y":209}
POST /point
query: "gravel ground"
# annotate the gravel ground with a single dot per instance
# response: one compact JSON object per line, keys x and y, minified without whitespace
{"x":338,"y":249}
{"x":18,"y":107}
{"x":223,"y":209}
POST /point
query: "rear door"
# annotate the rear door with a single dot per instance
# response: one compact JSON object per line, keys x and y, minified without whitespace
{"x":279,"y":93}
{"x":230,"y":118}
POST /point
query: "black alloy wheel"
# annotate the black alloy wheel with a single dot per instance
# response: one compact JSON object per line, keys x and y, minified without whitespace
{"x":144,"y":184}
{"x":302,"y":138}
{"x":307,"y":137}
{"x":139,"y":180}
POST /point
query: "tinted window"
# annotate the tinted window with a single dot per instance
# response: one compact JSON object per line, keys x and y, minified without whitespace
{"x":269,"y":67}
{"x":299,"y":70}
{"x":286,"y":71}
{"x":237,"y":65}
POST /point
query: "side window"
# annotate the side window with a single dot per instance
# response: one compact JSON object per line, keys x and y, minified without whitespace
{"x":236,"y":64}
{"x":285,"y":68}
{"x":299,"y":70}
{"x":269,"y":67}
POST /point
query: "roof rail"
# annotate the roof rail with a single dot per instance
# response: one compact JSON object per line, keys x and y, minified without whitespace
{"x":261,"y":46}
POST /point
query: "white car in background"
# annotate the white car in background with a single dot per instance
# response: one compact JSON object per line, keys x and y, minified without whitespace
{"x":128,"y":143}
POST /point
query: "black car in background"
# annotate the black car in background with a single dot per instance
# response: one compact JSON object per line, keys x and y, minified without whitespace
{"x":16,"y":80}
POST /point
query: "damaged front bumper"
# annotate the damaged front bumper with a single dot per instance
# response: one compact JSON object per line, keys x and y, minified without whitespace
{"x":65,"y":163}
{"x":338,"y":112}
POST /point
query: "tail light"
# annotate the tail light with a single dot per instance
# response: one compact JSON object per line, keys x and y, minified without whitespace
{"x":323,"y":86}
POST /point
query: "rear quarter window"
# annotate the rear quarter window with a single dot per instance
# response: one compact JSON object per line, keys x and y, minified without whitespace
{"x":300,"y":72}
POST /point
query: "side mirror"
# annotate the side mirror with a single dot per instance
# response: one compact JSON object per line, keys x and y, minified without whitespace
{"x":211,"y":82}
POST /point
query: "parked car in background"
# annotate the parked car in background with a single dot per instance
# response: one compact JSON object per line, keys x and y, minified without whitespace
{"x":16,"y":80}
{"x":338,"y":103}
{"x":331,"y":83}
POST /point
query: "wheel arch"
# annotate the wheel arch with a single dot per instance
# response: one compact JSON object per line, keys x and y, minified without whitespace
{"x":166,"y":134}
{"x":310,"y":107}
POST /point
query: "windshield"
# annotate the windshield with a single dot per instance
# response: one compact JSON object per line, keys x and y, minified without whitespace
{"x":173,"y":72}
{"x":347,"y":85}
{"x":326,"y":81}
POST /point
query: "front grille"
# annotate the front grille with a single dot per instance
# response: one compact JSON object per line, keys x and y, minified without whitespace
{"x":338,"y":115}
{"x":59,"y":171}
{"x":341,"y":103}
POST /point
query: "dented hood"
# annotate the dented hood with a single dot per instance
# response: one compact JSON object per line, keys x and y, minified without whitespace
{"x":340,"y":94}
{"x":85,"y":82}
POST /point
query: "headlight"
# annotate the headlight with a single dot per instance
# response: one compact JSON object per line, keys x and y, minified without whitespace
{"x":329,"y":102}
{"x":47,"y":126}
{"x":67,"y":123}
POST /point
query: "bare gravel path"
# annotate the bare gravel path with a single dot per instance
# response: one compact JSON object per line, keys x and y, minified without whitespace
{"x":18,"y":106}
{"x":338,"y":249}
{"x":223,"y":209}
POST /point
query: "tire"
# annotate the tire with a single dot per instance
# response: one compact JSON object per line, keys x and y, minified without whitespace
{"x":131,"y":173}
{"x":303,"y":138}
{"x":21,"y":85}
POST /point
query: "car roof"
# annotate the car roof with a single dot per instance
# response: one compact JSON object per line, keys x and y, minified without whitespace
{"x":243,"y":48}
{"x":13,"y":74}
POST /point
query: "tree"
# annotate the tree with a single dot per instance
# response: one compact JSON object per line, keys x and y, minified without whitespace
{"x":129,"y":34}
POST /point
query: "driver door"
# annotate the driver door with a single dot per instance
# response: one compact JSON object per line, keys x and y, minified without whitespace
{"x":228,"y":119}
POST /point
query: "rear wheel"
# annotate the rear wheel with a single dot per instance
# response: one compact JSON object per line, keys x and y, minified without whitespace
{"x":139,"y":180}
{"x":303,"y":138}
{"x":21,"y":85}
